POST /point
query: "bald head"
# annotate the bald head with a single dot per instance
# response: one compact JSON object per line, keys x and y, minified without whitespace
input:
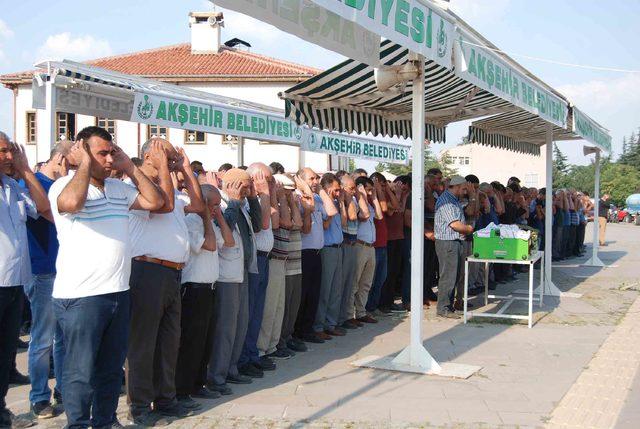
{"x":63,"y":147}
{"x":259,"y":166}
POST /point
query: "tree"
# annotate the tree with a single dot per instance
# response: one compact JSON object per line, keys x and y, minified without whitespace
{"x":430,"y":161}
{"x":560,"y":167}
{"x":352,"y":165}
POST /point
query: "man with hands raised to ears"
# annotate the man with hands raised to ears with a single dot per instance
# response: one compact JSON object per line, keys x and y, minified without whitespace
{"x":91,"y":289}
{"x":160,"y":250}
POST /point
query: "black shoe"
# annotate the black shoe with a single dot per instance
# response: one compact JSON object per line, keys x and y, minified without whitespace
{"x":384,"y":310}
{"x":251,"y":370}
{"x":239,"y":379}
{"x":311,"y":338}
{"x":296,"y":345}
{"x":266,"y":364}
{"x":57,"y":400}
{"x":8,"y":420}
{"x":175,"y":410}
{"x":18,"y":379}
{"x":349,"y":325}
{"x":206,"y":393}
{"x":281,"y":354}
{"x":449,"y":315}
{"x":187,"y":402}
{"x":22,"y":344}
{"x":43,"y":410}
{"x":148,"y":418}
{"x":397,"y":308}
{"x":222,"y":389}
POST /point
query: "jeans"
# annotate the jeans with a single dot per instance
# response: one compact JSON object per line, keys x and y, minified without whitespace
{"x":46,"y":337}
{"x":11,"y":299}
{"x":96,"y":331}
{"x":379,"y":277}
{"x":258,"y":283}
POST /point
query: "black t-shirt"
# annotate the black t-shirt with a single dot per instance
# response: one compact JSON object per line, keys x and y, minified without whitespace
{"x":603,"y":208}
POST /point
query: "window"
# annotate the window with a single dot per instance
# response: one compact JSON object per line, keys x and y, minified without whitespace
{"x":31,"y":128}
{"x":466,"y":160}
{"x":531,"y":180}
{"x":453,"y":159}
{"x":107,"y":124}
{"x":65,"y":126}
{"x":157,"y":131}
{"x":194,"y":137}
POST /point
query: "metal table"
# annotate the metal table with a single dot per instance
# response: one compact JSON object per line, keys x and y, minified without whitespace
{"x":510,"y":298}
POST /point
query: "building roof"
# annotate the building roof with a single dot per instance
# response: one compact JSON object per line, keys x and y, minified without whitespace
{"x":176,"y":63}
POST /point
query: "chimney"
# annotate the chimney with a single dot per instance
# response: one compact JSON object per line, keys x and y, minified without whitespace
{"x":205,"y":32}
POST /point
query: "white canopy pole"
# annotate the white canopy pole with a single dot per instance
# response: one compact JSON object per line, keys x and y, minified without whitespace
{"x":240,"y":153}
{"x":595,"y":261}
{"x":48,"y":140}
{"x":415,"y":355}
{"x":550,"y":287}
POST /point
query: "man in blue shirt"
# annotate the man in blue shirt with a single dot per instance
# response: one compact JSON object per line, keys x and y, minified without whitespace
{"x":16,"y":203}
{"x":450,"y":229}
{"x":328,"y":312}
{"x":46,"y":335}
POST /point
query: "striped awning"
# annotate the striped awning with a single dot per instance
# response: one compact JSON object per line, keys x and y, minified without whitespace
{"x":346,"y":98}
{"x":517,"y":131}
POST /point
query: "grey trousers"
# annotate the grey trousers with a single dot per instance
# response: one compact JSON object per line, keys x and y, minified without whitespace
{"x":292,"y":292}
{"x":154,"y":335}
{"x":330,"y":289}
{"x":449,"y":258}
{"x":349,"y":261}
{"x":365,"y":270}
{"x":474,"y":271}
{"x":231,"y":310}
{"x":273,"y":314}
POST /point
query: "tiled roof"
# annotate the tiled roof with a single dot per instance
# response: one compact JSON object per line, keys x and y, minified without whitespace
{"x":177,"y":63}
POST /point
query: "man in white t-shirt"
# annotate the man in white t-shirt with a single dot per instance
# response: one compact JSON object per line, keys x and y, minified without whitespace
{"x":91,"y":289}
{"x":160,"y":250}
{"x":198,"y":278}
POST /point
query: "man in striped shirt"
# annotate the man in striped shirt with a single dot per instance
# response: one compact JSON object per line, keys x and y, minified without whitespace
{"x":450,"y":229}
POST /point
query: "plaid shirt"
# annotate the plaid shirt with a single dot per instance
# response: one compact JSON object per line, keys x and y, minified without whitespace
{"x":448,"y":210}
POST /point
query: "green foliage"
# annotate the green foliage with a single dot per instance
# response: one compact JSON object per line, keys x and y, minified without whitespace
{"x":618,"y":179}
{"x":352,"y":165}
{"x":430,"y":161}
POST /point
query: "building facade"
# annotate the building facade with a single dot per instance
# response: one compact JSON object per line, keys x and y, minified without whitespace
{"x":226,"y":69}
{"x":491,"y":163}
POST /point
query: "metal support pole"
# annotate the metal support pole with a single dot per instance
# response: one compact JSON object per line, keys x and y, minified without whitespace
{"x":240,"y":151}
{"x":48,"y":140}
{"x":415,"y":355}
{"x":550,"y":288}
{"x":595,"y":261}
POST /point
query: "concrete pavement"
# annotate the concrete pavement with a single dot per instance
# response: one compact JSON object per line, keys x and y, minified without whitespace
{"x":526,"y":373}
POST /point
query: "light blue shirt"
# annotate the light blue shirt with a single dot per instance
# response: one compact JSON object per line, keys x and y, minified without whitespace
{"x":315,"y":238}
{"x":333,"y":234}
{"x":352,"y":225}
{"x":15,"y":205}
{"x":448,"y":210}
{"x":367,"y":229}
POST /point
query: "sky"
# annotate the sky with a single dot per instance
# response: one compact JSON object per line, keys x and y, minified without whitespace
{"x":580,"y":32}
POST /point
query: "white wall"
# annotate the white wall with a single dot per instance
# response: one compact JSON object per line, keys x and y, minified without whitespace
{"x":130,"y":136}
{"x":490,"y":163}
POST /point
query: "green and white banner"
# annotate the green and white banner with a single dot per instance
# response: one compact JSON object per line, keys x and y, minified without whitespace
{"x":216,"y":119}
{"x":485,"y":69}
{"x":354,"y":147}
{"x":313,"y":23}
{"x":212,"y":118}
{"x":589,"y":130}
{"x":409,"y":23}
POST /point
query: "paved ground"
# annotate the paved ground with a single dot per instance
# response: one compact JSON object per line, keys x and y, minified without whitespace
{"x":526,"y":373}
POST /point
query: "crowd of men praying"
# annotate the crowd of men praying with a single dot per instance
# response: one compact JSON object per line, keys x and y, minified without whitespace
{"x":180,"y":282}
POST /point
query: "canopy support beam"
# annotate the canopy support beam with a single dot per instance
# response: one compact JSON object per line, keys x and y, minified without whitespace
{"x":415,"y":355}
{"x":595,"y":261}
{"x":240,"y":148}
{"x":48,"y":140}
